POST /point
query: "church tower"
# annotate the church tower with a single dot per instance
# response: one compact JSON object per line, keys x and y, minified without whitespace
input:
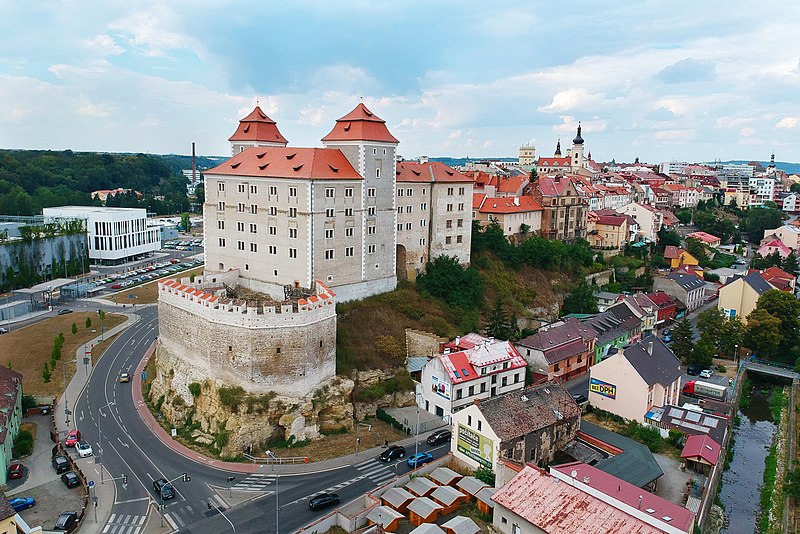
{"x":366,"y":142}
{"x":557,"y":153}
{"x":577,"y":151}
{"x":256,"y":130}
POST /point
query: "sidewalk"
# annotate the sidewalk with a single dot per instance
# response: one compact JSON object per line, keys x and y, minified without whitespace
{"x":249,"y":468}
{"x":105,"y":493}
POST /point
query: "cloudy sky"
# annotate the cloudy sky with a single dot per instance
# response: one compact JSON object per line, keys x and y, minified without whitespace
{"x":676,"y":80}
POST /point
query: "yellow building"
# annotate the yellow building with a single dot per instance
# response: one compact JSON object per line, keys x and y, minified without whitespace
{"x":678,"y":257}
{"x":607,"y":231}
{"x":740,"y":295}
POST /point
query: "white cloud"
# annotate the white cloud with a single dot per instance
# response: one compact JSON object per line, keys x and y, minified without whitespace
{"x":675,"y":135}
{"x":747,"y":132}
{"x":787,"y":123}
{"x":571,"y":99}
{"x":104,"y":45}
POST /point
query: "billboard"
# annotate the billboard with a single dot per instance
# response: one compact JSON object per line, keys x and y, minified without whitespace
{"x":475,"y":446}
{"x":603,"y":388}
{"x":440,"y":387}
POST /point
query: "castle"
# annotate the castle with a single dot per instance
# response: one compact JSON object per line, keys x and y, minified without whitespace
{"x":288,"y":232}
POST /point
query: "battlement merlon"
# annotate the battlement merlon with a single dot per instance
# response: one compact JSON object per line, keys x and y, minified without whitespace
{"x":212,"y":304}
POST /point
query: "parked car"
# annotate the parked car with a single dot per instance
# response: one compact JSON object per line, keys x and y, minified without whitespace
{"x":440,"y":436}
{"x":73,"y":437}
{"x":694,"y":369}
{"x":579,"y":398}
{"x":392,"y":453}
{"x":116,"y":286}
{"x":67,"y":521}
{"x":667,"y":339}
{"x":64,"y":311}
{"x":667,"y":332}
{"x":418,"y":459}
{"x":163,"y":488}
{"x":21,"y":503}
{"x":84,"y":449}
{"x":60,"y":464}
{"x":706,"y":373}
{"x":3,"y":330}
{"x":323,"y":501}
{"x":124,"y":377}
{"x":70,"y":479}
{"x":15,"y":470}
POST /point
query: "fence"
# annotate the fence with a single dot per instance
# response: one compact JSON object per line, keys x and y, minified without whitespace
{"x":276,"y":460}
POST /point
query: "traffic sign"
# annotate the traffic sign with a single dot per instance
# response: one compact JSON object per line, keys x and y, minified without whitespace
{"x":91,"y":483}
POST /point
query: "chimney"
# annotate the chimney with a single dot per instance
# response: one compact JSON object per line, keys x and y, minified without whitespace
{"x":194,"y":166}
{"x":640,"y":502}
{"x":650,"y":348}
{"x":516,"y":201}
{"x":477,"y":402}
{"x":458,"y":340}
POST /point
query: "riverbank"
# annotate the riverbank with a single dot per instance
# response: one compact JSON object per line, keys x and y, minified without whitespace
{"x":770,"y":519}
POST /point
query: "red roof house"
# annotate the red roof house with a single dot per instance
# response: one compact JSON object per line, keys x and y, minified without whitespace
{"x":701,"y":453}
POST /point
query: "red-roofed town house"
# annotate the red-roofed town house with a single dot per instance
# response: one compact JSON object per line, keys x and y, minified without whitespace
{"x":469,"y":368}
{"x":561,"y":350}
{"x":517,"y":216}
{"x":564,"y":209}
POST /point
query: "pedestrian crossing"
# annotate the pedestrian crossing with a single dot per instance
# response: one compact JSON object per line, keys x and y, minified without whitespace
{"x":180,"y":516}
{"x":254,"y":482}
{"x":376,"y":471}
{"x":125,"y":524}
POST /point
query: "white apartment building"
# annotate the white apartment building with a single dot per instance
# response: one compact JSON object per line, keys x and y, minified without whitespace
{"x":762,"y":189}
{"x":287,"y":216}
{"x":472,"y":367}
{"x":673,"y":167}
{"x":791,"y":203}
{"x":114,"y":235}
{"x":648,"y":219}
{"x":434,"y":205}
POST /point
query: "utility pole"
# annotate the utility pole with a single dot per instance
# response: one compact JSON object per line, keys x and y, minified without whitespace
{"x":277,"y":508}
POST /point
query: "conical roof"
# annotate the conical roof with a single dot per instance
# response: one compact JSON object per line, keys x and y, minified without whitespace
{"x":258,"y":127}
{"x":578,"y":139}
{"x":360,"y":125}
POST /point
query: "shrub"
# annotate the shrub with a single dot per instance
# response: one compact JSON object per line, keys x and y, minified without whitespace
{"x":381,"y":414}
{"x":46,"y":373}
{"x":221,"y":437}
{"x":194,"y":389}
{"x":74,"y":329}
{"x":88,"y":322}
{"x":402,"y":381}
{"x":23,"y":444}
{"x":231,"y":397}
{"x":722,"y":369}
{"x":486,"y":475}
{"x":28,"y":402}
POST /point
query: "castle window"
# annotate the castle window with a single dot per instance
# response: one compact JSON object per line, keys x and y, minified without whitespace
{"x":422,"y":243}
{"x":246,"y":266}
{"x":292,"y":191}
{"x":447,"y":240}
{"x":378,"y":172}
{"x":460,"y":190}
{"x":371,"y":192}
{"x":400,"y":210}
{"x":371,"y":249}
{"x":460,"y":223}
{"x":448,"y":223}
{"x":329,"y":254}
{"x":293,"y":253}
{"x":230,"y":348}
{"x":399,"y":226}
{"x":293,"y":233}
{"x":374,"y":151}
{"x":253,"y":228}
{"x":240,"y":245}
{"x":450,"y":191}
{"x":400,"y":192}
{"x":220,"y":225}
{"x":253,"y":247}
{"x":423,"y":206}
{"x":423,"y":223}
{"x":408,"y":226}
{"x":408,"y":209}
{"x":275,"y":272}
{"x":348,"y":252}
{"x":370,"y":211}
{"x":240,"y":226}
{"x":221,"y":267}
{"x":329,"y":233}
{"x":222,"y":241}
{"x":371,"y":229}
{"x":461,"y":206}
{"x":273,"y":210}
{"x":458,"y":239}
{"x":348,"y":192}
{"x":330,"y":192}
{"x":449,"y":207}
{"x":241,"y":188}
{"x":293,"y":212}
{"x":320,"y":343}
{"x":348,"y":232}
{"x":409,"y":192}
{"x":273,"y":249}
{"x":273,"y":230}
{"x":348,"y":212}
{"x":277,"y":350}
{"x":221,"y":186}
{"x":329,"y":212}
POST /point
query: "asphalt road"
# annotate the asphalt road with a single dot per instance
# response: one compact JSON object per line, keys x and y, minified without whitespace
{"x":128,"y":447}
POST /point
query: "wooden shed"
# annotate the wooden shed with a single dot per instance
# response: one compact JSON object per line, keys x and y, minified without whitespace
{"x":445,"y":476}
{"x":421,"y":486}
{"x":428,"y":528}
{"x":450,"y":498}
{"x":471,"y":486}
{"x":423,"y":510}
{"x":461,"y":525}
{"x":388,"y":518}
{"x":484,"y":500}
{"x":397,"y":498}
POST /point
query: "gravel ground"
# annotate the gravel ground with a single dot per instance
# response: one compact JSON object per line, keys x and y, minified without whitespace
{"x":52,"y":498}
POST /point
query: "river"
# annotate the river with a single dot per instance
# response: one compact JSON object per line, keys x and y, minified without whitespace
{"x":741,"y":483}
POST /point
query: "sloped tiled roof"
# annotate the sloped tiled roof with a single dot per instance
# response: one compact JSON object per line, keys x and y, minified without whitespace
{"x":281,"y":162}
{"x":522,"y":204}
{"x":635,"y":464}
{"x":687,"y":281}
{"x":433,"y":171}
{"x":258,"y":127}
{"x":559,"y":335}
{"x":521,"y":412}
{"x":703,"y":446}
{"x":360,"y":125}
{"x":660,"y":367}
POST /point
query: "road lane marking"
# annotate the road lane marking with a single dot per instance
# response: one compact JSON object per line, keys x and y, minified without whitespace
{"x":128,"y":501}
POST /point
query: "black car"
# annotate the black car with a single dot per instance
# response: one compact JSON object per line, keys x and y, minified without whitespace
{"x":694,"y":369}
{"x":392,"y":453}
{"x":579,"y":398}
{"x":60,"y":464}
{"x":163,"y":488}
{"x":323,"y":501}
{"x":70,"y":479}
{"x":67,"y":521}
{"x":440,"y":436}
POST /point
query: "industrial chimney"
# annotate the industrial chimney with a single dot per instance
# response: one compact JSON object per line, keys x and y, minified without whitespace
{"x":194,"y":166}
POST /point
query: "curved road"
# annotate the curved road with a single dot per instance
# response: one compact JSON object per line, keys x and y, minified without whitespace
{"x":128,"y":447}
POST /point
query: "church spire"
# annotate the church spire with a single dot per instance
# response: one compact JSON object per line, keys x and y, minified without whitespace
{"x":578,"y":139}
{"x":772,"y":161}
{"x":558,"y":149}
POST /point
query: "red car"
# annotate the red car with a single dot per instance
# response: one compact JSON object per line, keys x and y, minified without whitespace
{"x":15,"y":471}
{"x":73,"y":437}
{"x":116,"y":286}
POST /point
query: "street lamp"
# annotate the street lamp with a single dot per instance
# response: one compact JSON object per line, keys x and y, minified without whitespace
{"x":416,"y":430}
{"x":274,"y":469}
{"x":230,"y":486}
{"x":64,"y":382}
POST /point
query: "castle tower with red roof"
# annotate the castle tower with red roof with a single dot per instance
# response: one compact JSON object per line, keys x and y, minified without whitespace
{"x":257,"y":129}
{"x":371,"y":149}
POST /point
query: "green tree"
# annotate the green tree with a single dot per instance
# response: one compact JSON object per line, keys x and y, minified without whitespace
{"x":499,"y":324}
{"x":696,"y":248}
{"x":763,"y":333}
{"x":186,"y":222}
{"x":683,"y":340}
{"x":74,"y":329}
{"x":580,"y":300}
{"x":46,"y":373}
{"x":684,"y":215}
{"x":710,"y":322}
{"x":730,"y":336}
{"x":200,"y":194}
{"x":668,"y":238}
{"x":760,"y":219}
{"x":703,"y":351}
{"x":88,"y":322}
{"x":790,"y":264}
{"x":447,"y":279}
{"x":786,"y":308}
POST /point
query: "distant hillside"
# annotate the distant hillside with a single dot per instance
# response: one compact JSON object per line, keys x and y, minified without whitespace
{"x":178,"y":162}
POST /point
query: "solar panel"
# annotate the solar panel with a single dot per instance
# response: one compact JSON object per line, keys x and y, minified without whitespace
{"x":711,"y":422}
{"x":466,"y":373}
{"x":675,"y":412}
{"x":693,"y":416}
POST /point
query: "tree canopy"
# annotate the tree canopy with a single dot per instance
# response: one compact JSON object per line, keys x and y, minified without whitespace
{"x":683,"y":340}
{"x":448,"y":280}
{"x":580,"y":300}
{"x":760,"y":219}
{"x":763,"y":334}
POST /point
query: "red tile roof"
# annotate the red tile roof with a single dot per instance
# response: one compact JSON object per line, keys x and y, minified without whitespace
{"x":700,"y":445}
{"x":477,"y":200}
{"x":705,"y":237}
{"x":552,"y":185}
{"x":611,"y":220}
{"x":564,"y":163}
{"x":557,"y":507}
{"x":510,"y":205}
{"x":512,"y":184}
{"x":434,"y":171}
{"x":258,"y":127}
{"x":672,"y":252}
{"x":280,"y":162}
{"x":629,"y":494}
{"x":360,"y":125}
{"x":460,"y":366}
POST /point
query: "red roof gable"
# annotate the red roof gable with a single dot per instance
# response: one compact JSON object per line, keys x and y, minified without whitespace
{"x":508,"y":205}
{"x":611,"y":220}
{"x":360,"y":125}
{"x":477,"y":200}
{"x":564,"y":163}
{"x":703,"y":446}
{"x":434,"y":171}
{"x":281,"y":162}
{"x":512,"y":184}
{"x":258,"y":127}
